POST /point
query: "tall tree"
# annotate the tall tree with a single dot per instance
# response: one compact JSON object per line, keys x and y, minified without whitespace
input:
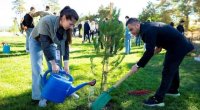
{"x":15,"y":26}
{"x":149,"y":13}
{"x":103,"y":12}
{"x":170,"y":10}
{"x":111,"y":36}
{"x":18,"y":6}
{"x":197,"y":6}
{"x":185,"y":7}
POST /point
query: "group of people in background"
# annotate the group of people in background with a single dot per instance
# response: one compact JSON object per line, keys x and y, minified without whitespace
{"x":180,"y":27}
{"x":27,"y":22}
{"x":89,"y":30}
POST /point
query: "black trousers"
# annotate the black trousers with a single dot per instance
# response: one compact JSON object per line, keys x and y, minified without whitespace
{"x":92,"y":34}
{"x":88,"y":35}
{"x":79,"y":32}
{"x":170,"y":74}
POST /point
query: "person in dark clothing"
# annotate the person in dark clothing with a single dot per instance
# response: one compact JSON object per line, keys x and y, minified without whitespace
{"x":79,"y":29}
{"x":171,"y":24}
{"x":74,"y":31}
{"x":158,"y":35}
{"x":28,"y":25}
{"x":86,"y":31}
{"x":28,"y":21}
{"x":180,"y":27}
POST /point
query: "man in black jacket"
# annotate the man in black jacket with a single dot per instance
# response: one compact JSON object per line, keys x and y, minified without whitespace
{"x":79,"y":29}
{"x":28,"y":25}
{"x":180,"y":27}
{"x":86,"y":31}
{"x":157,"y":36}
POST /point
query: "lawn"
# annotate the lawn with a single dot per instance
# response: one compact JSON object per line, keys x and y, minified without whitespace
{"x":15,"y":80}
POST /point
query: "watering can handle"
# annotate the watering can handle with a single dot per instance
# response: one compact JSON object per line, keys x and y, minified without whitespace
{"x":122,"y":79}
{"x":67,"y":74}
{"x":44,"y":78}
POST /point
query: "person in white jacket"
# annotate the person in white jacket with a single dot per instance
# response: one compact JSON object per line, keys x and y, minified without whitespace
{"x":92,"y":29}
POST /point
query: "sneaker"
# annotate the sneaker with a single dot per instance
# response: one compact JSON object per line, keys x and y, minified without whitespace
{"x":153,"y":102}
{"x":173,"y":93}
{"x":42,"y":103}
{"x":76,"y":96}
{"x":34,"y":102}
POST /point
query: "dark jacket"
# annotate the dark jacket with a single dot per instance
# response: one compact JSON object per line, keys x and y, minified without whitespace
{"x":28,"y":21}
{"x":86,"y":27}
{"x":80,"y":26}
{"x":161,"y":35}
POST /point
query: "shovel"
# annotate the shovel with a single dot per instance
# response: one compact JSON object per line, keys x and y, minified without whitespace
{"x":105,"y":97}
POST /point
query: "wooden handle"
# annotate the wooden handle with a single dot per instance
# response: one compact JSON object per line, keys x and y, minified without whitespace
{"x":123,"y":78}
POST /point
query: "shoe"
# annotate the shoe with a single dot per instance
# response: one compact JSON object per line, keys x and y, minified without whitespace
{"x":173,"y":93}
{"x":42,"y":103}
{"x":153,"y":102}
{"x":76,"y":96}
{"x":34,"y":102}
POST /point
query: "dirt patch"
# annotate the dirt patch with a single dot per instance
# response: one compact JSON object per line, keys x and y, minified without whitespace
{"x":110,"y":106}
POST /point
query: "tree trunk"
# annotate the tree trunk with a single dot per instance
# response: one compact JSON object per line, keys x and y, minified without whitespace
{"x":104,"y":76}
{"x":105,"y":66}
{"x":186,"y":22}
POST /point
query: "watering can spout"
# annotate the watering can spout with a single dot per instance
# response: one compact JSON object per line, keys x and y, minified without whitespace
{"x":74,"y":89}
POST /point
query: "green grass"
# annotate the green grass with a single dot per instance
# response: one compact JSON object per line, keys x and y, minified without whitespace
{"x":15,"y":80}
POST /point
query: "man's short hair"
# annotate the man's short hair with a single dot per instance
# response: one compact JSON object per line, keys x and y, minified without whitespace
{"x":32,"y":8}
{"x":126,"y":17}
{"x":47,"y":7}
{"x":132,"y":20}
{"x":182,"y":21}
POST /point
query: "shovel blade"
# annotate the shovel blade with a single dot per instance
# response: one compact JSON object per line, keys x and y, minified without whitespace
{"x":101,"y":101}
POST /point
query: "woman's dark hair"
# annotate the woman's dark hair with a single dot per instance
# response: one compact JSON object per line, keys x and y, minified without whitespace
{"x":126,"y":17}
{"x":47,"y":8}
{"x":69,"y":35}
{"x":69,"y":14}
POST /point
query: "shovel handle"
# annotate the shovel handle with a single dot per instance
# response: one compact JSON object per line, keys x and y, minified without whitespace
{"x":122,"y":79}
